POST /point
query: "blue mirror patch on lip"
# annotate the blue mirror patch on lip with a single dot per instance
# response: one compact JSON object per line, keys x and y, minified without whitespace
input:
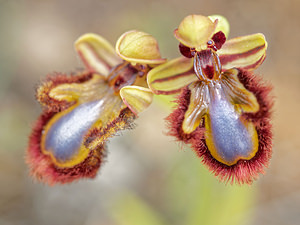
{"x":231,"y":137}
{"x":65,"y":136}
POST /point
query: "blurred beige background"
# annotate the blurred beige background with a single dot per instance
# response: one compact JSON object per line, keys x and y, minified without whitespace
{"x":145,"y":171}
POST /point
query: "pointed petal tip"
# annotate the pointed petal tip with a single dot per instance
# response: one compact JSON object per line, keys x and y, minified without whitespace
{"x":263,"y":39}
{"x":86,"y":37}
{"x":245,"y":52}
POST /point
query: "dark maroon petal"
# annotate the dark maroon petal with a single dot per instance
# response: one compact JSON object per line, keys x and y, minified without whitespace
{"x":219,"y":38}
{"x":185,"y":51}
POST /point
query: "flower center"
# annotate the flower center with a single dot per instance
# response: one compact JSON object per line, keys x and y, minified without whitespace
{"x":216,"y":42}
{"x":125,"y":74}
{"x":207,"y":65}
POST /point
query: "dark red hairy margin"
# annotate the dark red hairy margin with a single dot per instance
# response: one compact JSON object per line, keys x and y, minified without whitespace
{"x":244,"y":171}
{"x":53,"y":80}
{"x":42,"y":167}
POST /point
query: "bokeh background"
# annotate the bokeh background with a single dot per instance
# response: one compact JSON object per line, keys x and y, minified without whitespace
{"x":147,"y":179}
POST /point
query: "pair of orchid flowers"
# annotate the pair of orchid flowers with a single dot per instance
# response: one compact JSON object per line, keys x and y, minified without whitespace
{"x":222,"y":112}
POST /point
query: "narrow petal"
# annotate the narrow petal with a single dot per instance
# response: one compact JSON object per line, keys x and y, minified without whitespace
{"x":136,"y":98}
{"x":83,"y":91}
{"x":96,"y":53}
{"x":222,"y":25}
{"x":195,"y":30}
{"x":243,"y":100}
{"x":246,"y":52}
{"x":138,"y":47}
{"x":121,"y":121}
{"x":198,"y":107}
{"x":171,"y":76}
{"x":176,"y":118}
{"x":49,"y":101}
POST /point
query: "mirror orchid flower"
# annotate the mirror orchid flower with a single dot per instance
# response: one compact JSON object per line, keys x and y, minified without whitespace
{"x":81,"y":111}
{"x":223,"y":109}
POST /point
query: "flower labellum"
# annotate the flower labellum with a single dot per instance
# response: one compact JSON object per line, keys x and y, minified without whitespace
{"x":81,"y":111}
{"x":223,"y":109}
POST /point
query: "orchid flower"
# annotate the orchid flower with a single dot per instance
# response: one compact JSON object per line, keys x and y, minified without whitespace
{"x":80,"y":112}
{"x":223,"y":109}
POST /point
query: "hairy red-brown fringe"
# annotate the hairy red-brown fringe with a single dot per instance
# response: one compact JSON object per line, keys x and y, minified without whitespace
{"x":52,"y":81}
{"x":175,"y":119}
{"x":244,"y":171}
{"x":43,"y":169}
{"x":122,"y":122}
{"x":256,"y":85}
